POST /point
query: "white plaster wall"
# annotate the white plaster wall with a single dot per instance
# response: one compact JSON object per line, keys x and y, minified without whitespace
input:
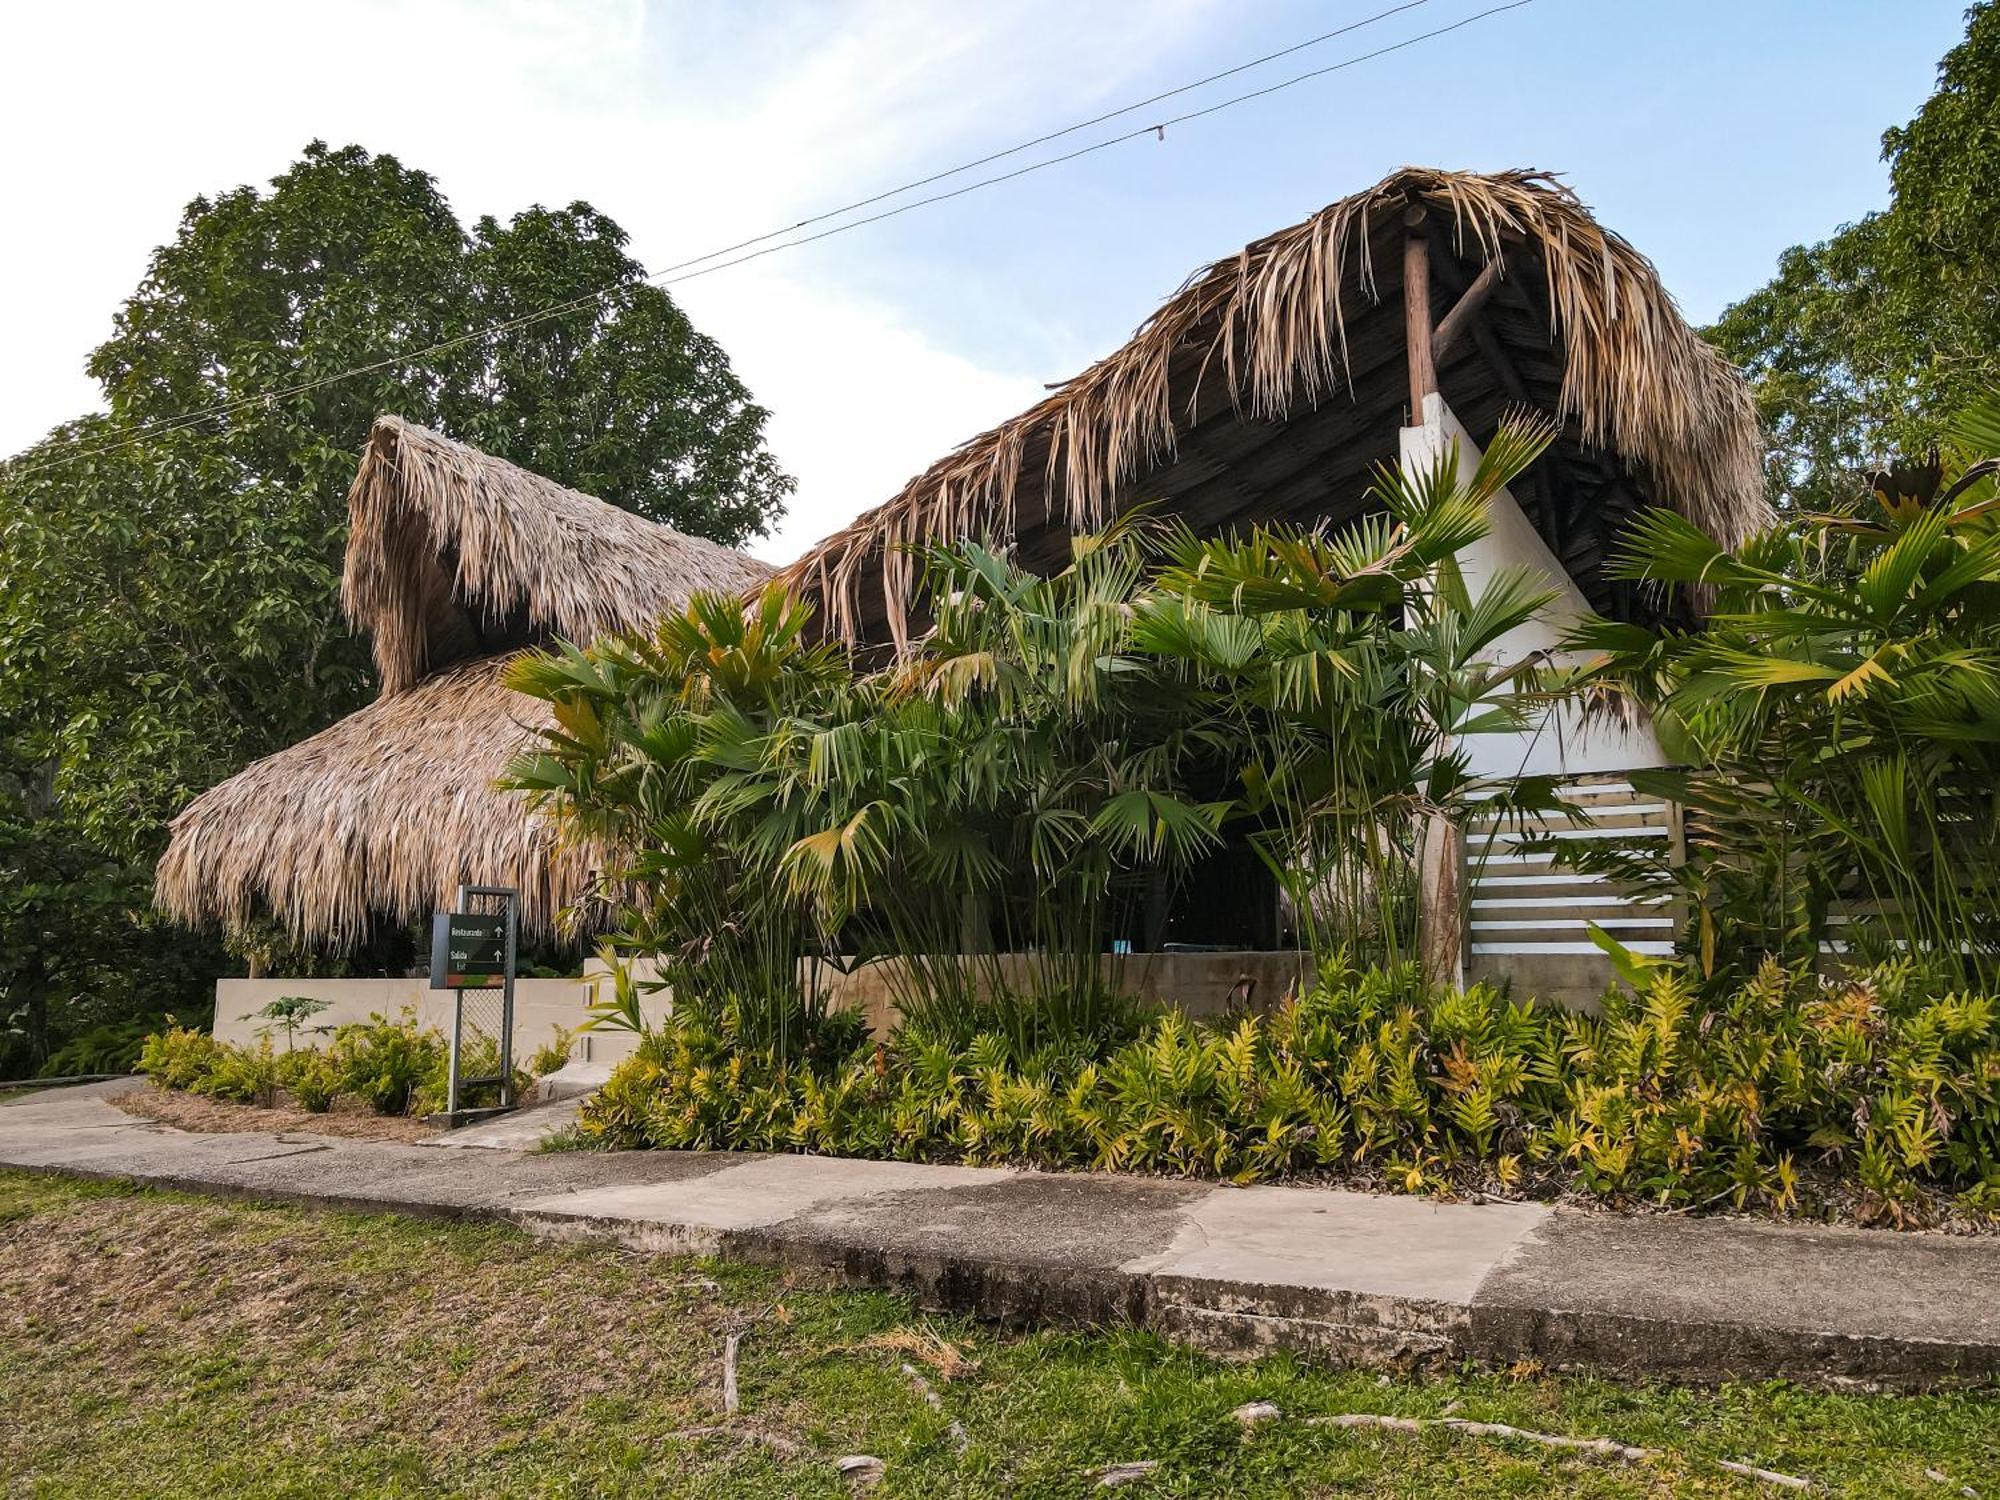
{"x":541,"y":1007}
{"x":1561,"y":742}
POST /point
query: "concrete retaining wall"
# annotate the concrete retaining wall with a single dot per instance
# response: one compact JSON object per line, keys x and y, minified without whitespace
{"x":1201,"y":984}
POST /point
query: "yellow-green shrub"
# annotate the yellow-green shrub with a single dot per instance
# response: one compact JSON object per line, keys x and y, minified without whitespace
{"x":241,"y":1075}
{"x":383,"y":1061}
{"x":479,"y":1057}
{"x":178,"y":1057}
{"x":311,"y":1077}
{"x":1663,"y":1097}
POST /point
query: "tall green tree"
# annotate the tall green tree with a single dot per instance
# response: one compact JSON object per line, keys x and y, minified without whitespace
{"x":1864,"y":345}
{"x":169,"y":588}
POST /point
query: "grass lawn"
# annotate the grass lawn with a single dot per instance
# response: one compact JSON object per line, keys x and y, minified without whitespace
{"x":159,"y":1344}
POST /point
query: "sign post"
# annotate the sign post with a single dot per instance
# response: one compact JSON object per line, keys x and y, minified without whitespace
{"x":477,"y":950}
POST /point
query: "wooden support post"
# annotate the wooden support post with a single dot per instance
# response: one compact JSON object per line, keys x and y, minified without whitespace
{"x":1441,"y":874}
{"x":1417,"y":313}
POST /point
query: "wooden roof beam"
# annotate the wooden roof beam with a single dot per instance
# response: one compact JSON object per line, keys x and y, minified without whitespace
{"x":1476,"y":327}
{"x":1457,"y":323}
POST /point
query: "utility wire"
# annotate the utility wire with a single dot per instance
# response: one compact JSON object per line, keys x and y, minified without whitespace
{"x":1053,"y":135}
{"x":163,"y":425}
{"x":666,"y":277}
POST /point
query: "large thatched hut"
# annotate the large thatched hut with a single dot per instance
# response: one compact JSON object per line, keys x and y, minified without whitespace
{"x":456,"y":561}
{"x":1398,"y":324}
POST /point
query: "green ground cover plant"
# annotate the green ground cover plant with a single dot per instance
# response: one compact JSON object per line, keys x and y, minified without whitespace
{"x":1873,"y":1096}
{"x":390,"y":1063}
{"x":200,"y":1347}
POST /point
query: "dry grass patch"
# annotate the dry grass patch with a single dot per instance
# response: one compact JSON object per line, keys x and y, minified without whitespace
{"x":926,"y":1346}
{"x":173,"y":1346}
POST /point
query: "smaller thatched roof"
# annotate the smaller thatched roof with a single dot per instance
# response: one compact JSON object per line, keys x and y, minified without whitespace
{"x":383,"y":814}
{"x":456,"y":561}
{"x":1274,"y":380}
{"x":453,"y":553}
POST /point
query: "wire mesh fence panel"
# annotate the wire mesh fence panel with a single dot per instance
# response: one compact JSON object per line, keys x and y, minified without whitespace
{"x":482,"y":1041}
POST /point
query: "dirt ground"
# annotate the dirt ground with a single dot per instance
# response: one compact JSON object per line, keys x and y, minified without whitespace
{"x":212,"y":1116}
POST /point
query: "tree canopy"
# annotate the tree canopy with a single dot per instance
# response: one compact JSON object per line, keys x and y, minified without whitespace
{"x":169,"y":588}
{"x":1864,"y":345}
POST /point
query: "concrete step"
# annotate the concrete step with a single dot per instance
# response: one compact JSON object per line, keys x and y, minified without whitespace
{"x":573,"y":1080}
{"x":517,"y":1130}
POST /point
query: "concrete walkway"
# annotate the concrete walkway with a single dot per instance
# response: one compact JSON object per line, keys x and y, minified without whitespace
{"x":1350,"y":1276}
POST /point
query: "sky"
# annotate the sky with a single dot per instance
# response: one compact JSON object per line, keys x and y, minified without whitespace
{"x":1711,"y":133}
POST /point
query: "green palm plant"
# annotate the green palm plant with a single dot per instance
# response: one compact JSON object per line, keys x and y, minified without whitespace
{"x":992,"y":809}
{"x":1349,"y":670}
{"x":657,"y":757}
{"x":994,"y":793}
{"x":1838,"y":714}
{"x":1023,"y":775}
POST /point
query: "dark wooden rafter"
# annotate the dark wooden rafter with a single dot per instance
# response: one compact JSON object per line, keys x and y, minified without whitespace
{"x":1458,"y":323}
{"x":1475,"y":326}
{"x":1303,"y":451}
{"x":1334,"y":487}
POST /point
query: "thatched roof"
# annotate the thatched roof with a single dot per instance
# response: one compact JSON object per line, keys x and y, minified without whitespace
{"x":382,"y":814}
{"x":456,"y":560}
{"x":1274,"y":380}
{"x":453,"y":553}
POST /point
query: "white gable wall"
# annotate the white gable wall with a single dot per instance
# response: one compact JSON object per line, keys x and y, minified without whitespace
{"x":1562,"y":743}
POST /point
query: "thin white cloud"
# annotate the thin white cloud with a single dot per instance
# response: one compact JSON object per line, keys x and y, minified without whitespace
{"x":691,"y":124}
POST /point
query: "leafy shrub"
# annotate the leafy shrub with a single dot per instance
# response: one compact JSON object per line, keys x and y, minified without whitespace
{"x":241,"y":1075}
{"x":394,"y":1065}
{"x":383,"y":1061}
{"x":311,"y":1077}
{"x":479,"y":1057}
{"x":108,"y":1047}
{"x":179,"y":1057}
{"x":552,"y":1054}
{"x":1836,"y":714}
{"x":1888,"y":1089}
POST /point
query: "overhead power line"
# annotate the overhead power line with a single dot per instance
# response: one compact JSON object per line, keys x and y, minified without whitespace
{"x":1043,"y":140}
{"x":704,"y":265}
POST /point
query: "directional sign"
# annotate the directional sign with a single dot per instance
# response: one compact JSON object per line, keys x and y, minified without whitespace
{"x":468,"y":951}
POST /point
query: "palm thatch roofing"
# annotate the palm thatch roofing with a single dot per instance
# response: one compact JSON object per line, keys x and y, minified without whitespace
{"x":456,"y":562}
{"x":1275,"y":380}
{"x":453,"y":553}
